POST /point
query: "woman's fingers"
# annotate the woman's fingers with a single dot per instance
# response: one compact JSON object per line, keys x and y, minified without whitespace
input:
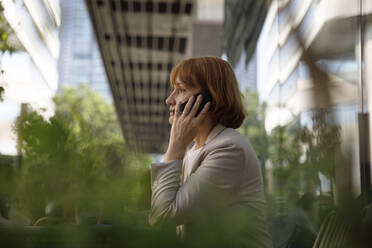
{"x":177,"y":110}
{"x":188,"y":105}
{"x":196,"y":106}
{"x":203,"y":113}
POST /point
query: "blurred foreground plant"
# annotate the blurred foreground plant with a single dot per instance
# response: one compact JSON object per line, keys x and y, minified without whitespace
{"x":76,"y":165}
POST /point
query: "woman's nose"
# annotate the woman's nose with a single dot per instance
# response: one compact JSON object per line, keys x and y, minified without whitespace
{"x":170,"y":100}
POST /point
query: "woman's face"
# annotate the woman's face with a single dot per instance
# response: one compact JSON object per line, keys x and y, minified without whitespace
{"x":181,"y":93}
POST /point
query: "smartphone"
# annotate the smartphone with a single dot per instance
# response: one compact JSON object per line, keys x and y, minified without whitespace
{"x":207,"y":97}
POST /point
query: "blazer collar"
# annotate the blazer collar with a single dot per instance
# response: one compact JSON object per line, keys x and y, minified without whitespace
{"x":213,"y":133}
{"x":216,"y":130}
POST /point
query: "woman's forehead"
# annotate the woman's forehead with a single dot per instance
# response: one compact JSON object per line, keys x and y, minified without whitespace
{"x":179,"y":83}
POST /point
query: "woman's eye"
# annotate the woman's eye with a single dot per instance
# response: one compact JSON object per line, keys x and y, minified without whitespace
{"x":182,"y":90}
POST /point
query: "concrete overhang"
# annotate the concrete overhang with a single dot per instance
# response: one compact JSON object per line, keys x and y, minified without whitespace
{"x":140,"y":42}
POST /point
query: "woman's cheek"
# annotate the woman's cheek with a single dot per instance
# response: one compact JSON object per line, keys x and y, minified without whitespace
{"x":185,"y":99}
{"x":170,"y":120}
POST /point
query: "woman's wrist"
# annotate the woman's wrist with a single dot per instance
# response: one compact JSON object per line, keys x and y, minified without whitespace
{"x":173,"y":154}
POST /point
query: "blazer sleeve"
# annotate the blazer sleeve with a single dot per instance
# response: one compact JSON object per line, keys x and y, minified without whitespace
{"x":212,"y":185}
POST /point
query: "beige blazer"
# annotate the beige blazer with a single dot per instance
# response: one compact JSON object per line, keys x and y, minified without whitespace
{"x":221,"y":200}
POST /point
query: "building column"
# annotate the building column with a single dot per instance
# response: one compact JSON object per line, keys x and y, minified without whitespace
{"x":368,"y":72}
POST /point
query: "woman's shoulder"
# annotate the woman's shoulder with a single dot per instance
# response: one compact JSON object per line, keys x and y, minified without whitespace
{"x":229,"y":137}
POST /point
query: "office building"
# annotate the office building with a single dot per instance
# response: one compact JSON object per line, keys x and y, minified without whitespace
{"x":327,"y":32}
{"x":80,"y":59}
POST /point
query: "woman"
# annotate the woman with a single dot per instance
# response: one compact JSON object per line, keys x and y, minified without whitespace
{"x":209,"y":182}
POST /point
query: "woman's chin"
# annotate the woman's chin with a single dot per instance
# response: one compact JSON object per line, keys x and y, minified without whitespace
{"x":170,"y":120}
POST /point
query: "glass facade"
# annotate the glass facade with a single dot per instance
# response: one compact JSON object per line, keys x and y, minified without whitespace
{"x":317,"y":148}
{"x":246,"y":73}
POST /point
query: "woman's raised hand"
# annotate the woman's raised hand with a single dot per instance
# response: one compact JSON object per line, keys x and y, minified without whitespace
{"x":184,"y":128}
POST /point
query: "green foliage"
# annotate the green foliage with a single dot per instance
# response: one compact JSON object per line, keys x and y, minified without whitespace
{"x":298,"y":155}
{"x":4,"y":33}
{"x":4,"y":43}
{"x":253,"y":126}
{"x":285,"y":153}
{"x":291,"y":154}
{"x":77,"y":161}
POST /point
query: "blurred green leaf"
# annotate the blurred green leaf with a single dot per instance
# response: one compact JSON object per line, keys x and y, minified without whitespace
{"x":5,"y":30}
{"x":4,"y":36}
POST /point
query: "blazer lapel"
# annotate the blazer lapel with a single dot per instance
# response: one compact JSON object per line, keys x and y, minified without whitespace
{"x":197,"y":161}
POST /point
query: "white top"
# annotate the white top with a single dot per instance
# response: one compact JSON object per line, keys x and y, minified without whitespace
{"x":189,"y":159}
